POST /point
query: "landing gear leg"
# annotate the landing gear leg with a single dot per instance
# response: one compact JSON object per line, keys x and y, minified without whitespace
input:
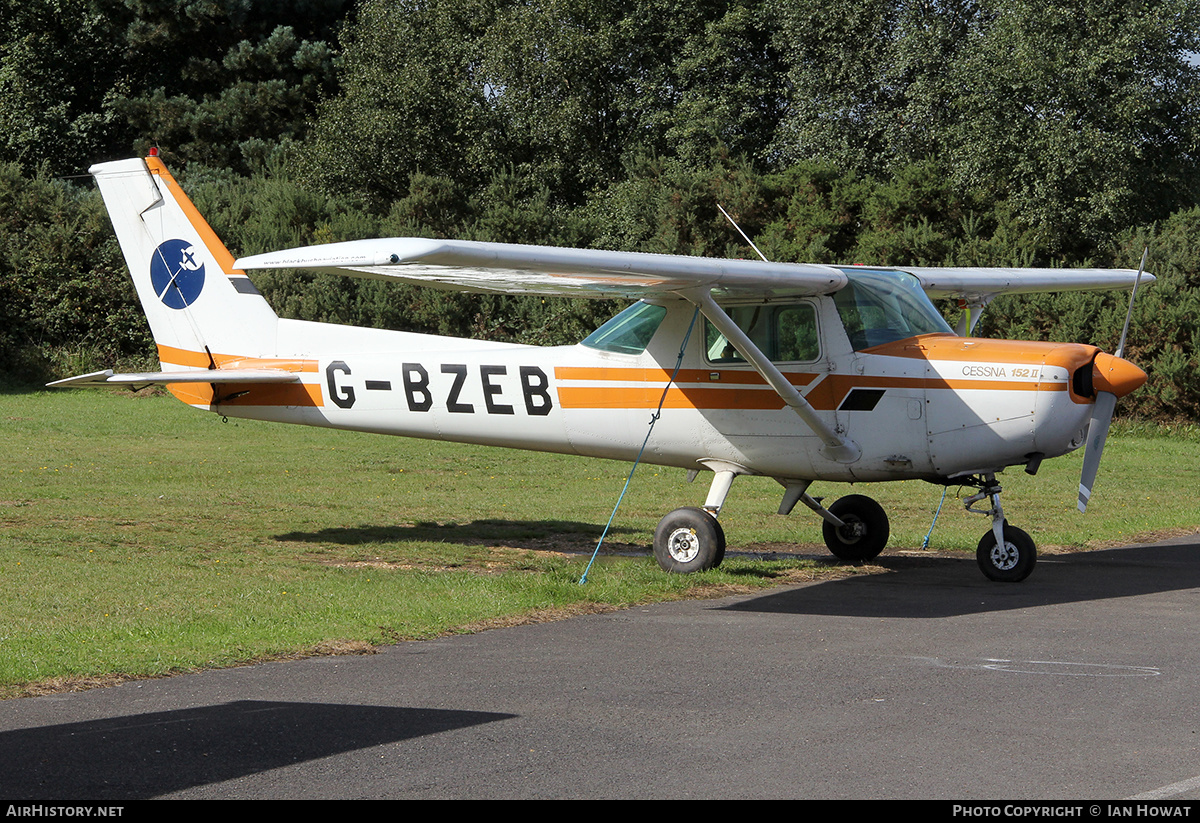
{"x":864,"y":530}
{"x":1005,"y":554}
{"x":690,"y":539}
{"x":856,"y":527}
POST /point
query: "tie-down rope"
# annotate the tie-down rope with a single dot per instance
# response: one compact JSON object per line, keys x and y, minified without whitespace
{"x":653,"y":420}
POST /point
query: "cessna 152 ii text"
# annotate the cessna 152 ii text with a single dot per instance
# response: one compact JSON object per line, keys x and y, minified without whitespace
{"x":797,"y":372}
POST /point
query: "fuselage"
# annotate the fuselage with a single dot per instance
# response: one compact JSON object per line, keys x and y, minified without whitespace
{"x":930,"y":406}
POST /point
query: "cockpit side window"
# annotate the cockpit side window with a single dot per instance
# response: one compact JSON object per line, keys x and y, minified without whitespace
{"x":796,"y":333}
{"x":784,"y":333}
{"x":629,"y":332}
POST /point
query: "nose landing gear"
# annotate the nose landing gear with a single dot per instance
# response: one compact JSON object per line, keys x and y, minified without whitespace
{"x":1005,"y":554}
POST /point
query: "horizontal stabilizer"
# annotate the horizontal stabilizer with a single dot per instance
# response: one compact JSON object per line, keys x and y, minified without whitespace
{"x":108,"y":379}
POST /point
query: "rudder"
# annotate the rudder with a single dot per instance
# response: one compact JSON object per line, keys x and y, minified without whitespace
{"x":200,"y":308}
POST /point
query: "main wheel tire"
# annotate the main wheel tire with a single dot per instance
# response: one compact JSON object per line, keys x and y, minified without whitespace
{"x":865,"y":533}
{"x":1010,"y":563}
{"x":689,"y":540}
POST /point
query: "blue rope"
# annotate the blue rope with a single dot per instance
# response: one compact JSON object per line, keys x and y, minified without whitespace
{"x":925,"y":542}
{"x":653,"y":420}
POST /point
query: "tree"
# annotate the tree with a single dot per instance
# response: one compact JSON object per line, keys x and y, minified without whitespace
{"x":66,"y":301}
{"x":59,"y":64}
{"x":219,"y":82}
{"x":563,"y":92}
{"x":1082,"y":116}
{"x":580,"y":87}
{"x":412,"y":99}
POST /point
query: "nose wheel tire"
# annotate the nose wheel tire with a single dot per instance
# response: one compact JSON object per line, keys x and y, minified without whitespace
{"x":865,"y":532}
{"x":1010,"y":563}
{"x":689,"y":540}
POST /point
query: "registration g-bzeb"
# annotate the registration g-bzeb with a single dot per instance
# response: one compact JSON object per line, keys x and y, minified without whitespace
{"x":802,"y":373}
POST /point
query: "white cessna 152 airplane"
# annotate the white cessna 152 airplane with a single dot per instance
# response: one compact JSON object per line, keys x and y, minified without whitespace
{"x":797,"y":372}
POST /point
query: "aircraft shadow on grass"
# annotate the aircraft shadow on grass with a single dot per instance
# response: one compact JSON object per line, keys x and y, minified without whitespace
{"x":912,"y":586}
{"x":543,"y":535}
{"x":148,"y":755}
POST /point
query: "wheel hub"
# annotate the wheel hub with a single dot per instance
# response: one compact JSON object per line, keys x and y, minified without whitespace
{"x":853,"y":529}
{"x":1005,"y":556}
{"x":683,"y":545}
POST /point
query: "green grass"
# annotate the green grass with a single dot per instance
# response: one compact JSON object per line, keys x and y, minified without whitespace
{"x":141,"y":538}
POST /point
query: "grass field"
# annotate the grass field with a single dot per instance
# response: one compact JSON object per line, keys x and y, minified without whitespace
{"x":140,"y":538}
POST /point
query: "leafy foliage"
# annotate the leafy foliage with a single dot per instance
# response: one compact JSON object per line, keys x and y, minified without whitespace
{"x":218,"y":82}
{"x":66,"y":302}
{"x":968,"y":132}
{"x":1080,"y":116}
{"x":562,"y":92}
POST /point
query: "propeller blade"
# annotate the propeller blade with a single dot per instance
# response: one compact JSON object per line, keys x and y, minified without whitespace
{"x":1114,"y":377}
{"x":1102,"y":413}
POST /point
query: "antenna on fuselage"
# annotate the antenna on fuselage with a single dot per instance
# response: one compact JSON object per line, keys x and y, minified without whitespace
{"x":742,"y":233}
{"x":1129,"y":314}
{"x":837,"y":446}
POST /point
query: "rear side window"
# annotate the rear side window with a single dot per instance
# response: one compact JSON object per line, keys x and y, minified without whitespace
{"x":628,"y":332}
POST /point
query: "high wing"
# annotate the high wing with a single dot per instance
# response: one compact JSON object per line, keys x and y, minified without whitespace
{"x":466,"y":265}
{"x":975,"y":283}
{"x":506,"y":268}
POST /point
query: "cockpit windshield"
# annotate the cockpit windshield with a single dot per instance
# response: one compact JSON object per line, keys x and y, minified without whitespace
{"x":878,"y":307}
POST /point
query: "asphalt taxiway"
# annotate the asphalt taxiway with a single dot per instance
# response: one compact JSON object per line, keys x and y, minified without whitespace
{"x":927,"y":681}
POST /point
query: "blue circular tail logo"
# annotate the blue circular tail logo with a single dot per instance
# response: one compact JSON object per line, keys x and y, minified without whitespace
{"x":177,"y":273}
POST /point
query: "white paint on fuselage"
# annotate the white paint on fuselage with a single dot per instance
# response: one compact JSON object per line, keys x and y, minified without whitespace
{"x":556,"y":399}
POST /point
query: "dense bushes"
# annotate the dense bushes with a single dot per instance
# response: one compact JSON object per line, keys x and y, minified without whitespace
{"x":972,"y":132}
{"x":66,"y":301}
{"x":66,"y":304}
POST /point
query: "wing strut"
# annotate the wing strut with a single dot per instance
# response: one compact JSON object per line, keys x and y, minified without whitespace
{"x":972,"y":309}
{"x":837,"y":447}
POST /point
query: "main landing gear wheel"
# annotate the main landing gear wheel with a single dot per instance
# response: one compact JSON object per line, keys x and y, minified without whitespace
{"x":689,"y":540}
{"x":1010,"y":563}
{"x":865,"y":533}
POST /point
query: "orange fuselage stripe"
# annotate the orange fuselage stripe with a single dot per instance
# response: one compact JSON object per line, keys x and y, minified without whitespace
{"x":717,"y":374}
{"x":827,"y":395}
{"x":196,"y":359}
{"x":253,"y":394}
{"x":678,"y":397}
{"x":734,"y":389}
{"x":250,"y":394}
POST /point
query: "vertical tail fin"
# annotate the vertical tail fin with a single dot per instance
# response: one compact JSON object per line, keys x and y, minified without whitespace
{"x":199,"y":306}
